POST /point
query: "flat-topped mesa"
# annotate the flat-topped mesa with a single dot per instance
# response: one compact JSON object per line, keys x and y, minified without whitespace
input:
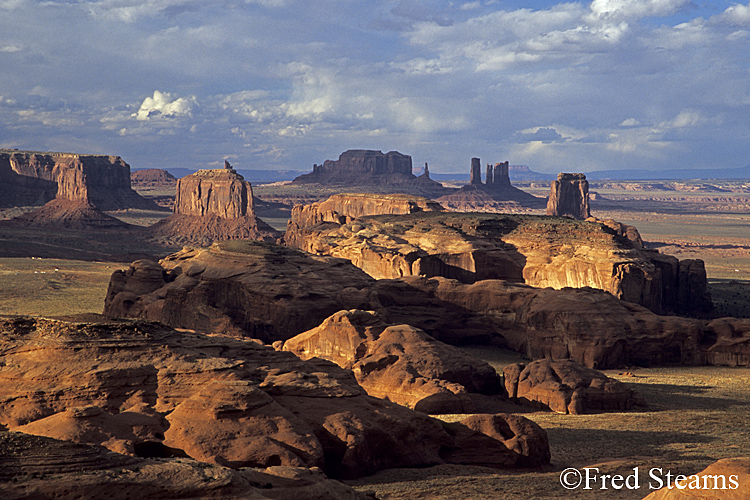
{"x":569,"y":196}
{"x":360,"y":166}
{"x":222,"y":192}
{"x":102,"y":180}
{"x":20,"y":190}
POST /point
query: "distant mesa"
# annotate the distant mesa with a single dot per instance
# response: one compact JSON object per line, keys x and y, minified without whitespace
{"x":569,"y":196}
{"x":152,"y":178}
{"x":212,"y":205}
{"x":391,"y":172}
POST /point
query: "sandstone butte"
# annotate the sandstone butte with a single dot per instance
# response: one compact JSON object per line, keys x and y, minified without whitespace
{"x":540,"y":251}
{"x":147,"y":390}
{"x":569,"y":196}
{"x":274,"y":293}
{"x":399,"y":363}
{"x":212,"y":205}
{"x":103,"y":181}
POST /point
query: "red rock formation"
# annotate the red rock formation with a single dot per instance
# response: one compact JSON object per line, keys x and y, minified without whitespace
{"x":569,"y":196}
{"x":274,"y":293}
{"x":105,"y":180}
{"x":479,"y":434}
{"x":38,"y":467}
{"x":399,"y":363}
{"x":565,"y":386}
{"x":228,"y":401}
{"x":19,"y":190}
{"x":212,"y":205}
{"x":152,"y":178}
{"x":727,"y":479}
{"x":358,"y":166}
{"x":539,"y":251}
{"x":242,"y":288}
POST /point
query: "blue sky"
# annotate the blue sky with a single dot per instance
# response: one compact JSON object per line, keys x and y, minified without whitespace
{"x":578,"y":86}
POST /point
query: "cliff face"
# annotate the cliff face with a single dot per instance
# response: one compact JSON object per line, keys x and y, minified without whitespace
{"x":569,"y":196}
{"x":539,"y":251}
{"x":104,"y":181}
{"x":221,"y":192}
{"x":19,"y":190}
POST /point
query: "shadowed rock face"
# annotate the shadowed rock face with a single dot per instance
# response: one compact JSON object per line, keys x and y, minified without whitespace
{"x":41,"y":467}
{"x":104,"y":181}
{"x":565,"y":386}
{"x":20,"y":190}
{"x":143,"y":388}
{"x":399,"y":363}
{"x":539,"y":251}
{"x":569,"y":196}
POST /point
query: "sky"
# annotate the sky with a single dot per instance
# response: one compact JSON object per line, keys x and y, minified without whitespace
{"x":283,"y":84}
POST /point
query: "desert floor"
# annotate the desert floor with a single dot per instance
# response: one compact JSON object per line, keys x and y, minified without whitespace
{"x":695,"y":415}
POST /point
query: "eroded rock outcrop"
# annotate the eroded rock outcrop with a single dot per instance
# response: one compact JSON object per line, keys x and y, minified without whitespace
{"x":360,"y":166}
{"x":19,"y":190}
{"x":569,"y":196}
{"x":40,"y":467}
{"x":243,"y":288}
{"x":399,"y":363}
{"x":228,"y":401}
{"x":727,"y":479}
{"x":539,"y":251}
{"x":212,"y":205}
{"x":565,"y":386}
{"x":274,"y":293}
{"x":102,"y":180}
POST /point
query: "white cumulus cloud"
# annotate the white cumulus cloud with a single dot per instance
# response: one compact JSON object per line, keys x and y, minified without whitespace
{"x":164,"y":104}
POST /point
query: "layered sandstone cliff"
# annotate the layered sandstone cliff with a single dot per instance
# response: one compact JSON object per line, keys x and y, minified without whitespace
{"x":102,"y":180}
{"x":359,"y":166}
{"x":539,"y":251}
{"x":212,"y":205}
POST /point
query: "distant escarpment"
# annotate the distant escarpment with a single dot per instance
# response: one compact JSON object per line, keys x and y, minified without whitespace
{"x":388,"y":173}
{"x":103,"y":181}
{"x":495,"y":194}
{"x":274,"y":293}
{"x":536,"y":250}
{"x":212,"y":205}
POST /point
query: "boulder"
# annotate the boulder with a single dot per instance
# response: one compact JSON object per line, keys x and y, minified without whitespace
{"x":569,"y":196}
{"x":399,"y":363}
{"x":523,"y":442}
{"x":565,"y":386}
